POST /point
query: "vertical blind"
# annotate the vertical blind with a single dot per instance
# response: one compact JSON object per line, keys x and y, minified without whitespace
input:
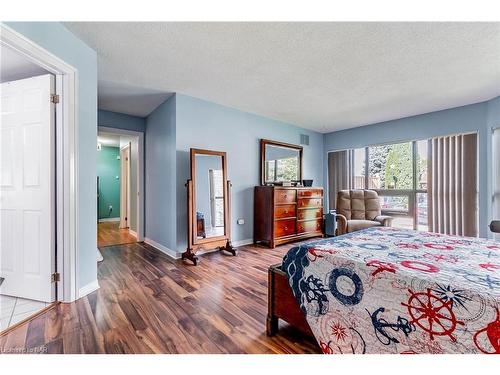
{"x":452,"y":180}
{"x":340,"y":174}
{"x":496,"y":177}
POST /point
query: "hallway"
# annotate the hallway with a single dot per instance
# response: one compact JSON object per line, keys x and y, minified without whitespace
{"x":109,"y":233}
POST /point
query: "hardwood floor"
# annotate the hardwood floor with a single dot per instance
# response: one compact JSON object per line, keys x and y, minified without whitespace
{"x":109,"y":233}
{"x":149,"y":303}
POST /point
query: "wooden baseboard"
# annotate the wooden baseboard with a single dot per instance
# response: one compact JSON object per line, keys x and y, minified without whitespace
{"x":29,"y":318}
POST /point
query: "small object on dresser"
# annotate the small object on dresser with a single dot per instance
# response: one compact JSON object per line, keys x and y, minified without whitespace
{"x":287,"y":183}
{"x":307,"y":183}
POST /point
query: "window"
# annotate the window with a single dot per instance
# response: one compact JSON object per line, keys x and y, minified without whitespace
{"x":359,"y":168}
{"x":390,"y":166}
{"x":216,"y":197}
{"x":398,"y":173}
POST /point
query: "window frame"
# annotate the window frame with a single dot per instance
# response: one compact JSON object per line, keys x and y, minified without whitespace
{"x":410,"y":193}
{"x":214,"y":197}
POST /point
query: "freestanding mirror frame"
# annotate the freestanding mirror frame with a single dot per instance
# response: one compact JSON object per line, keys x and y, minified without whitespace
{"x":222,"y":242}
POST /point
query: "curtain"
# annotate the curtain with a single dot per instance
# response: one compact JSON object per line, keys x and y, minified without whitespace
{"x":340,"y":176}
{"x":496,"y":177}
{"x":452,"y":180}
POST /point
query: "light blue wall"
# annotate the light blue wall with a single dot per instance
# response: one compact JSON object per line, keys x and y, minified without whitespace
{"x":161,"y":174}
{"x":202,"y":124}
{"x":58,"y":40}
{"x":121,"y":121}
{"x":470,"y":118}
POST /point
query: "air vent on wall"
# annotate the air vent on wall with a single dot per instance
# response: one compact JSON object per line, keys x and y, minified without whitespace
{"x":304,"y":139}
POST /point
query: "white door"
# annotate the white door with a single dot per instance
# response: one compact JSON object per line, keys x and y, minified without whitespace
{"x":27,"y":214}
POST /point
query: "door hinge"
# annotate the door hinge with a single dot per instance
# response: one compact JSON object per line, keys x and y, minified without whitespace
{"x":56,"y":276}
{"x":54,"y":98}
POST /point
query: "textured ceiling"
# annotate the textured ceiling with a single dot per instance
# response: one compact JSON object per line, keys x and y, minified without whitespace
{"x":129,"y":99}
{"x":322,"y":76}
{"x":14,"y":66}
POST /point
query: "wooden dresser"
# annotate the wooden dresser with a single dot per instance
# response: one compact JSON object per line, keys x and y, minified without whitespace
{"x":286,"y":214}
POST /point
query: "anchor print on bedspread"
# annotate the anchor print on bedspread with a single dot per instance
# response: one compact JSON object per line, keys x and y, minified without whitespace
{"x":388,"y":290}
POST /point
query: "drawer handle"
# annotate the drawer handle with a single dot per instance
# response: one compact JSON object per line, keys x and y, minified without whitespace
{"x":286,"y":211}
{"x":286,"y":228}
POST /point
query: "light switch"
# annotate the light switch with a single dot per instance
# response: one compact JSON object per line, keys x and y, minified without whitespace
{"x":241,"y":221}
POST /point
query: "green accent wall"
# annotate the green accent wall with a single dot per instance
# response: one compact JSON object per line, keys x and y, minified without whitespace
{"x":108,"y":167}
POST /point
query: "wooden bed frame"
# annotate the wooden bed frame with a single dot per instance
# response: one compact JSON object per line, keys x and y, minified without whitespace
{"x":282,"y":304}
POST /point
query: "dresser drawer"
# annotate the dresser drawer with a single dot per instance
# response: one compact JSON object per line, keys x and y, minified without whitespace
{"x":309,"y":226}
{"x":310,"y":193}
{"x":284,"y":228}
{"x":310,"y":202}
{"x":285,"y":196}
{"x":310,"y":213}
{"x":283,"y":211}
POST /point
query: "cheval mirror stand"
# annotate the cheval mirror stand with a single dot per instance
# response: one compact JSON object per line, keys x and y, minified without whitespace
{"x":208,"y":204}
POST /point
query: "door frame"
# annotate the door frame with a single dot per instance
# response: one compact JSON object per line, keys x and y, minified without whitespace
{"x":140,"y":173}
{"x":66,"y":179}
{"x":125,"y":151}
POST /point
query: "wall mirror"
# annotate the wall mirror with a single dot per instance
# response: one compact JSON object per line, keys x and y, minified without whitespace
{"x":209,"y":204}
{"x":280,"y":162}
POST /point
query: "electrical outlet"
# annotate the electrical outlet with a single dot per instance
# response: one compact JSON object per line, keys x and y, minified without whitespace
{"x":241,"y":221}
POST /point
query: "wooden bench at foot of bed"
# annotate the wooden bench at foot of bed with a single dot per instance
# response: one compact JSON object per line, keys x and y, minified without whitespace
{"x":282,"y":303}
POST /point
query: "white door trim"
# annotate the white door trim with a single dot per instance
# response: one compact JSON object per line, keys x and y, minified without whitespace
{"x":140,"y":174}
{"x":66,"y":156}
{"x":125,"y":156}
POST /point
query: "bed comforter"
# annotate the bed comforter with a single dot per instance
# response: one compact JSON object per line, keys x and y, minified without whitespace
{"x":387,"y":290}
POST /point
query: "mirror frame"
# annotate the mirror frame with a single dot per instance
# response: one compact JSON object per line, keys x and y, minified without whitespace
{"x":264,"y":143}
{"x":226,"y":236}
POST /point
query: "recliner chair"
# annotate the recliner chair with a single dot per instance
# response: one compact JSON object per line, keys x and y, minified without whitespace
{"x":359,"y":209}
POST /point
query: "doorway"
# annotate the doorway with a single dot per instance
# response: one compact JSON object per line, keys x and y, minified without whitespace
{"x":27,"y":188}
{"x":119,"y":186}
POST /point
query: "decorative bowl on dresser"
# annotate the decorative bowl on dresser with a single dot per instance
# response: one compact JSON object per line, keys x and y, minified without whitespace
{"x":287,"y":214}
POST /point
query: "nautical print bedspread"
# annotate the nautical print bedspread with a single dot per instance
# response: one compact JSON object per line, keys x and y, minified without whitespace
{"x":387,"y":290}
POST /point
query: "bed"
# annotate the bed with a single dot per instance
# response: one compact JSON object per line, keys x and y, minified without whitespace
{"x":388,"y":290}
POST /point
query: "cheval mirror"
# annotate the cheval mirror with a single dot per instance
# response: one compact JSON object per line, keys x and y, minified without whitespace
{"x":209,"y":204}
